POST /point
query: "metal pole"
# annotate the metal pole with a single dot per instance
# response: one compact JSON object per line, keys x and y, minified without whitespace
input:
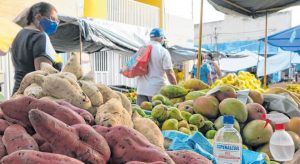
{"x":266,"y":51}
{"x":200,"y":40}
{"x":81,"y":48}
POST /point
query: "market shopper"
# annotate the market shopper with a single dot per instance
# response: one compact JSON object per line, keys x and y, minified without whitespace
{"x":160,"y":69}
{"x":205,"y":71}
{"x":215,"y":69}
{"x":32,"y":45}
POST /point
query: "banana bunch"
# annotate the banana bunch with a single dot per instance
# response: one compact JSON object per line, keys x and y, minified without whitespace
{"x":279,"y":90}
{"x":293,"y":88}
{"x":244,"y":80}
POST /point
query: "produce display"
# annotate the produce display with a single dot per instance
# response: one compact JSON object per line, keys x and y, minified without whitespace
{"x":194,"y":111}
{"x":293,"y":88}
{"x":65,"y":117}
{"x":244,"y":80}
{"x":132,"y":97}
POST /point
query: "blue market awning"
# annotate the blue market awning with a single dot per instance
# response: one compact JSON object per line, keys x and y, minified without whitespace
{"x":288,"y":40}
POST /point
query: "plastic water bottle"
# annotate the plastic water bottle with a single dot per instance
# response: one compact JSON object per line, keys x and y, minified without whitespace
{"x":282,"y":145}
{"x":228,"y":143}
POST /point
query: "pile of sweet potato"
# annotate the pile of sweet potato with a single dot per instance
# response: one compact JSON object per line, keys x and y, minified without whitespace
{"x":80,"y":90}
{"x":65,"y":117}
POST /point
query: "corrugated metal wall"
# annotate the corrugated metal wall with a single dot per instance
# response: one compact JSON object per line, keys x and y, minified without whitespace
{"x":107,"y":65}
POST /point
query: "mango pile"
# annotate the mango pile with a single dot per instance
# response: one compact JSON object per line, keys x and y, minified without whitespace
{"x":188,"y":108}
{"x":244,"y":80}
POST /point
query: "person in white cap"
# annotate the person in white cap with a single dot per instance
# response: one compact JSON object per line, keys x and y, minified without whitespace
{"x":160,"y":69}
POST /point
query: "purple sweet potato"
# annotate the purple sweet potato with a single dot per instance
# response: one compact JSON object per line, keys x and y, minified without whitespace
{"x":2,"y":149}
{"x":16,"y":111}
{"x":79,"y":141}
{"x":38,"y":139}
{"x":1,"y":113}
{"x":188,"y":157}
{"x":62,"y":113}
{"x":137,"y":162}
{"x":87,"y":116}
{"x":3,"y":125}
{"x":46,"y":147}
{"x":127,"y":144}
{"x":16,"y":138}
{"x":36,"y":157}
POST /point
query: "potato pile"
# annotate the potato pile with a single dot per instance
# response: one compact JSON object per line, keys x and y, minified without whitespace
{"x":65,"y":117}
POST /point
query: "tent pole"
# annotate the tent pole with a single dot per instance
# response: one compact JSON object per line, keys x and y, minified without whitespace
{"x":81,"y":49}
{"x":266,"y":51}
{"x":200,"y":40}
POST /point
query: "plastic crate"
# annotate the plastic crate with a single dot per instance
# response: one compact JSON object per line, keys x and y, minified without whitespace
{"x":121,"y":88}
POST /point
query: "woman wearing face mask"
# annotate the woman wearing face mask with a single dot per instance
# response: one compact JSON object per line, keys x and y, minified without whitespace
{"x":32,"y":45}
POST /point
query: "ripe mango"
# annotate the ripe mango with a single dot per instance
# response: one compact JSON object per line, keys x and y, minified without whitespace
{"x":177,"y":100}
{"x":197,"y":119}
{"x":254,"y":133}
{"x":207,"y":106}
{"x":173,"y":91}
{"x":225,"y":91}
{"x":257,"y":97}
{"x":175,"y":113}
{"x":185,"y":130}
{"x":160,"y":112}
{"x":170,"y":124}
{"x":255,"y":111}
{"x":194,"y":84}
{"x":293,"y":125}
{"x":234,"y":107}
{"x":146,"y":105}
{"x":186,"y":115}
{"x":194,"y":94}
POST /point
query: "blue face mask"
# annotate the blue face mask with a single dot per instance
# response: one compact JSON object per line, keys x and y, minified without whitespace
{"x":49,"y":26}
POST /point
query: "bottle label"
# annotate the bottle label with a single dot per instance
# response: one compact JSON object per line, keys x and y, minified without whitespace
{"x":228,"y":153}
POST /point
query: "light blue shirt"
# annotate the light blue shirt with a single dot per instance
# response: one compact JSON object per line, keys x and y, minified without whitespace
{"x":205,"y":69}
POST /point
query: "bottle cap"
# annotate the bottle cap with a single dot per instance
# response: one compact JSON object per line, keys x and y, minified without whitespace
{"x":228,"y":120}
{"x":279,"y":126}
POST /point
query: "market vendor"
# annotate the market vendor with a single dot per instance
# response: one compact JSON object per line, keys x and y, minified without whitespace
{"x":32,"y":45}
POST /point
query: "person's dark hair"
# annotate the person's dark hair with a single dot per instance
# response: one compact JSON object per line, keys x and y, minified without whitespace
{"x":42,"y":8}
{"x":210,"y":56}
{"x":202,"y":56}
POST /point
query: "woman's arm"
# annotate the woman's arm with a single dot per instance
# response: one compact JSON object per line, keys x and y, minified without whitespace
{"x":217,"y":69}
{"x":209,"y":78}
{"x":39,"y":60}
